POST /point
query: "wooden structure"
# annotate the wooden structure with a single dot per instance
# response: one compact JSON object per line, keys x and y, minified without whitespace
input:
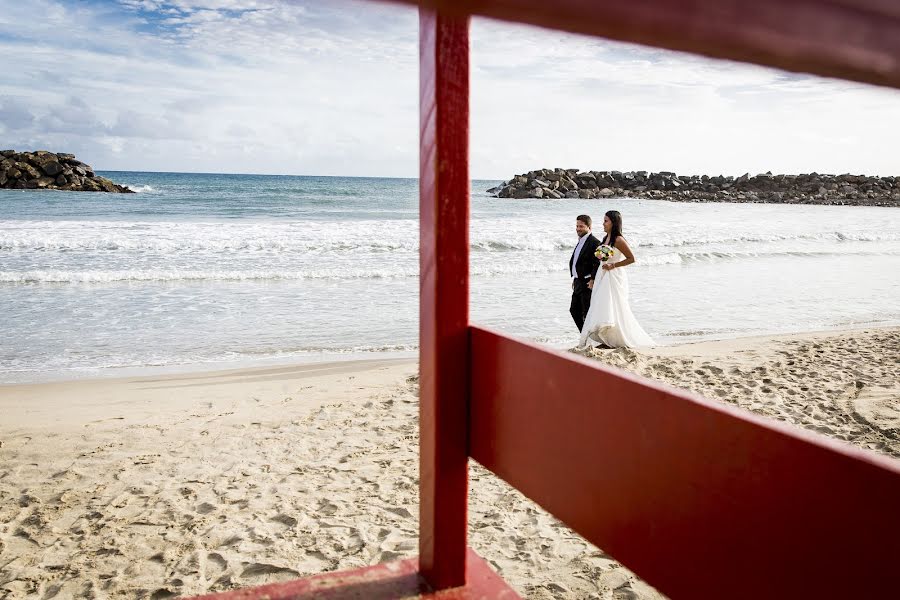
{"x":699,"y":499}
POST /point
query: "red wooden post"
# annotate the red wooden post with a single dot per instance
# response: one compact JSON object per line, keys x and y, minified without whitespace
{"x":444,"y":296}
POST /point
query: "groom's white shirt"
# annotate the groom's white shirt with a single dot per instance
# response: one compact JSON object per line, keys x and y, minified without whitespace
{"x":577,"y":253}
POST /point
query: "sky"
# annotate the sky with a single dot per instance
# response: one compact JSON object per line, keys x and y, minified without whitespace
{"x":330,"y":87}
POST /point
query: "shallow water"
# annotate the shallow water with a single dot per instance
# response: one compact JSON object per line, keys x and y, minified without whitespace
{"x":237,"y":269}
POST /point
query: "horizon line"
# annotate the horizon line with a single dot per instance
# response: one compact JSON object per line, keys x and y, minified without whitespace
{"x":773,"y":174}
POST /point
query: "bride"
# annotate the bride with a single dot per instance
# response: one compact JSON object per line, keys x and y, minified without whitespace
{"x":609,"y":321}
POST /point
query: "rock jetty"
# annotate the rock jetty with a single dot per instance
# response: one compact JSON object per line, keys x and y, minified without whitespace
{"x":51,"y":171}
{"x":858,"y":190}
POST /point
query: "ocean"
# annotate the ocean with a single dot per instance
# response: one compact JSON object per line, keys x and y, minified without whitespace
{"x":208,"y":271}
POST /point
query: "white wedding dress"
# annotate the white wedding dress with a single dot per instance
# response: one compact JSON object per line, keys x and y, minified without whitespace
{"x":609,"y":320}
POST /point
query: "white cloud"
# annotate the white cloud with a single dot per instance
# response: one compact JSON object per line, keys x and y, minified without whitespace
{"x":331,"y":88}
{"x":577,"y":102}
{"x":15,"y":114}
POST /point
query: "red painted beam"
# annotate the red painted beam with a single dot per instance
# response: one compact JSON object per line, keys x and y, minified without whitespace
{"x":699,"y":499}
{"x":850,"y":39}
{"x":397,"y":579}
{"x":444,"y":296}
{"x":387,"y":581}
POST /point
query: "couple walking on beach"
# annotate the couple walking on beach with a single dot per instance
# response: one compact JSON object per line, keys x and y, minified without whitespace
{"x":600,"y":286}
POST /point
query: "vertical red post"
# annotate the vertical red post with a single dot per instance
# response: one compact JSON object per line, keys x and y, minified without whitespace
{"x":444,"y":296}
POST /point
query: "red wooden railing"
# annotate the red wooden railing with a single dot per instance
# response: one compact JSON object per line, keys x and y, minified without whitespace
{"x":850,"y":39}
{"x":699,"y":499}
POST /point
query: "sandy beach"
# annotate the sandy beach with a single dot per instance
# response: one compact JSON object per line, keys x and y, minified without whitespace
{"x":162,"y":486}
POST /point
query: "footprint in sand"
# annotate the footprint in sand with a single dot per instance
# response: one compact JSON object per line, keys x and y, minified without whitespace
{"x":286,"y":520}
{"x":215,"y":567}
{"x":204,"y":508}
{"x":327,"y":508}
{"x":265,"y":571}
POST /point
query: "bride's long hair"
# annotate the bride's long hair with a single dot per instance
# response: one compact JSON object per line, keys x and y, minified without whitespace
{"x":616,"y":230}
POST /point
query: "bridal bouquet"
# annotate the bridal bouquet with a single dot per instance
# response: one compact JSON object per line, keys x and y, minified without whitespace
{"x":604,"y":252}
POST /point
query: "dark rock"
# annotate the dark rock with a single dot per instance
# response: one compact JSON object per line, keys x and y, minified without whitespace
{"x":106,"y":185}
{"x":28,"y":170}
{"x":91,"y":186}
{"x":42,"y":169}
{"x":813,"y":188}
{"x":52,"y":168}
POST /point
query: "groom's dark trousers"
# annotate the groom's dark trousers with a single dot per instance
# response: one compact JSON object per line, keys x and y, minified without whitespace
{"x":581,"y":301}
{"x":586,"y":267}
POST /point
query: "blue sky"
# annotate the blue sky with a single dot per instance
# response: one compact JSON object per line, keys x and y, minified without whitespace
{"x":330,"y":87}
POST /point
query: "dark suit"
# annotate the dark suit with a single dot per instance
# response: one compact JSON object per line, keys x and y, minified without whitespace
{"x":586,"y":266}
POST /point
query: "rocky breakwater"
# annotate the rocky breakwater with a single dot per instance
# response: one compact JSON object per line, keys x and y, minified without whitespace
{"x":859,"y":190}
{"x":47,"y":170}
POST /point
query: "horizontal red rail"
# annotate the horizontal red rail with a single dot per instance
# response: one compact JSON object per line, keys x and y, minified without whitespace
{"x":701,"y":500}
{"x":851,"y":39}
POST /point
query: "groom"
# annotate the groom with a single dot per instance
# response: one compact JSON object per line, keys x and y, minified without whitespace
{"x":583,"y":267}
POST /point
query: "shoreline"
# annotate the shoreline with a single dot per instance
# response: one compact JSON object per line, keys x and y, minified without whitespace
{"x":127,"y":372}
{"x":181,"y":484}
{"x":748,"y":342}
